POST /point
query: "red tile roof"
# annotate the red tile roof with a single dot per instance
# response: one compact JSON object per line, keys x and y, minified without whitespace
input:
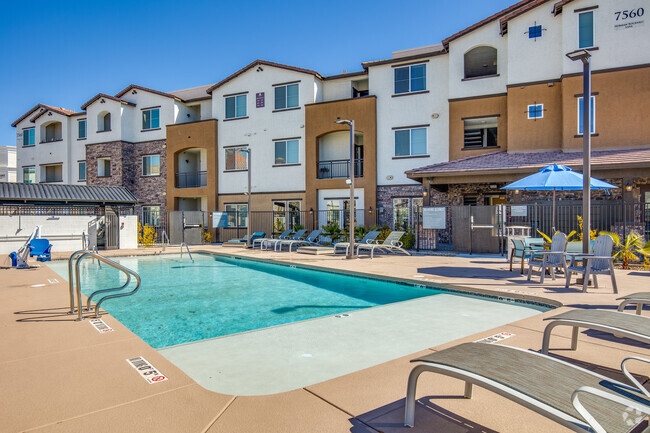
{"x":527,"y":161}
{"x":43,"y":109}
{"x":146,"y":89}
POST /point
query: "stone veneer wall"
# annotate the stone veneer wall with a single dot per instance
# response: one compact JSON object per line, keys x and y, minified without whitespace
{"x":385,"y":196}
{"x":126,"y":170}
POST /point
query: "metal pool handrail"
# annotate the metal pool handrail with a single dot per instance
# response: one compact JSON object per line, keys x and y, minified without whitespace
{"x":109,"y":262}
{"x":71,"y":277}
{"x":188,"y":250}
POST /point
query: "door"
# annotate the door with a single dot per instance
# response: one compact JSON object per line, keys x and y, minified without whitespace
{"x":111,"y":229}
{"x":193,"y":223}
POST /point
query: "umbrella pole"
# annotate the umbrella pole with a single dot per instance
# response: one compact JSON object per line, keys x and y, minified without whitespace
{"x":553,"y":229}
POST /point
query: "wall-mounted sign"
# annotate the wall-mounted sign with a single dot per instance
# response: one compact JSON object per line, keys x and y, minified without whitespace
{"x":219,"y":220}
{"x":518,"y":211}
{"x":627,"y":19}
{"x":434,"y":218}
{"x":259,"y":100}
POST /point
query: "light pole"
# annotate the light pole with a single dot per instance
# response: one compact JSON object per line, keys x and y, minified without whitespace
{"x":584,"y":56}
{"x":248,"y":206}
{"x":351,"y":172}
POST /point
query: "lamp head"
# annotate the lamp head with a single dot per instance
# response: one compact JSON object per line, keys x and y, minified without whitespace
{"x":581,"y":54}
{"x":343,"y":121}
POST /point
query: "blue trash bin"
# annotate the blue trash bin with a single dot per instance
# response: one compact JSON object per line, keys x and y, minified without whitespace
{"x":14,"y":259}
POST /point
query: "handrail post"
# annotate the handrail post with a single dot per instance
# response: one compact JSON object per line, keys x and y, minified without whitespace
{"x":71,"y":278}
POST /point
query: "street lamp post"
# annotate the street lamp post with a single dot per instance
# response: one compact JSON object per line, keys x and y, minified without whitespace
{"x":248,"y":206}
{"x":584,"y":56}
{"x":351,"y":172}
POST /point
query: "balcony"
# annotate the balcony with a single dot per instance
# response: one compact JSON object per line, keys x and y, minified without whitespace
{"x":339,"y":169}
{"x":195,"y":179}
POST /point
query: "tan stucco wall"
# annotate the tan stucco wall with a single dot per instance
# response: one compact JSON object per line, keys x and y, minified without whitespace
{"x":479,"y":107}
{"x":319,"y":120}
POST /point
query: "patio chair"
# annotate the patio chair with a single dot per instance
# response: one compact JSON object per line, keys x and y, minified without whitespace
{"x":285,"y":234}
{"x":640,"y":299}
{"x":367,"y":238}
{"x":391,"y":244}
{"x":41,"y":248}
{"x":600,"y":262}
{"x":256,"y":235}
{"x":543,"y":384}
{"x":618,"y":323}
{"x":311,"y":240}
{"x":522,"y":251}
{"x":278,"y":242}
{"x":555,"y":258}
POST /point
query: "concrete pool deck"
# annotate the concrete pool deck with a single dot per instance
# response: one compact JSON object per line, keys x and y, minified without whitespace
{"x":58,"y":375}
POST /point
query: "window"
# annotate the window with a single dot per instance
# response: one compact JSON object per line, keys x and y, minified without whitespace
{"x":235,"y":106}
{"x":481,"y":132}
{"x":480,"y":62}
{"x":52,"y":173}
{"x":236,"y":158}
{"x":286,"y":96}
{"x":286,"y":152}
{"x":409,"y":142}
{"x":82,"y":170}
{"x":103,"y":167}
{"x":51,"y":132}
{"x":151,"y":216}
{"x":404,"y":212}
{"x":592,"y":115}
{"x":104,"y":122}
{"x":536,"y":111}
{"x":534,"y":32}
{"x":237,"y":215}
{"x":333,"y":211}
{"x":29,"y":174}
{"x":151,"y":165}
{"x":82,"y":128}
{"x":410,"y":79}
{"x":29,"y":137}
{"x":151,"y":118}
{"x":586,"y":29}
{"x":470,"y":200}
{"x":283,"y":212}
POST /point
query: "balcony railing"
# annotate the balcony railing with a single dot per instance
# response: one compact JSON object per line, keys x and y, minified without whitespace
{"x":192,"y":179}
{"x":339,"y":169}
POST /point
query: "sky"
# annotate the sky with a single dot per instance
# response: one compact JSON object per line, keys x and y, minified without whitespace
{"x":62,"y":53}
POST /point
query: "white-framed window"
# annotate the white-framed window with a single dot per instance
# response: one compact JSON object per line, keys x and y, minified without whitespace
{"x":151,"y":216}
{"x":103,"y":167}
{"x":410,"y":141}
{"x":235,"y":106}
{"x":81,"y":128}
{"x":287,"y":152}
{"x":151,"y":165}
{"x":29,"y":136}
{"x":150,"y":118}
{"x":412,"y":78}
{"x":535,"y":111}
{"x":286,"y":215}
{"x":286,"y":96}
{"x":29,"y":174}
{"x":236,"y":158}
{"x":592,"y":115}
{"x":82,"y":170}
{"x":104,"y":122}
{"x":237,"y":214}
{"x":404,"y":212}
{"x":481,"y":132}
{"x":586,"y":34}
{"x":52,"y":173}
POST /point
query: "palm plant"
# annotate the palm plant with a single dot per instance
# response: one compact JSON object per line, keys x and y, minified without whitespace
{"x":629,"y":250}
{"x":332,"y":230}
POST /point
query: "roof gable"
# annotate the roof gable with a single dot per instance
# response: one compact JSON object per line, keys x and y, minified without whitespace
{"x":105,"y":96}
{"x":135,"y":87}
{"x":42,"y":110}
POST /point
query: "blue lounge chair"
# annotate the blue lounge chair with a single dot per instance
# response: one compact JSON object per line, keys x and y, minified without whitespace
{"x":263,"y":241}
{"x":311,"y":240}
{"x":256,"y":235}
{"x":278,"y":242}
{"x":41,"y":248}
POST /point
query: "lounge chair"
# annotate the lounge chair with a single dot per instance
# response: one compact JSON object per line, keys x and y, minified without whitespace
{"x":523,"y":251}
{"x":277,"y":242}
{"x":367,"y":238}
{"x":618,"y":323}
{"x":391,"y":244}
{"x":639,"y":299}
{"x":285,"y":234}
{"x":41,"y":248}
{"x":256,"y":235}
{"x":311,"y":240}
{"x":555,"y":258}
{"x":600,"y":262}
{"x":546,"y":385}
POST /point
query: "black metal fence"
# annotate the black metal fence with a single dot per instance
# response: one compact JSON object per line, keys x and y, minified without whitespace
{"x":60,"y":210}
{"x":339,"y":169}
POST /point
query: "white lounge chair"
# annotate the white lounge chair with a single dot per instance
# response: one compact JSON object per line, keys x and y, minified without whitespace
{"x":309,"y":240}
{"x":278,"y":242}
{"x":391,"y":244}
{"x":555,"y":258}
{"x":600,"y":262}
{"x":640,"y":299}
{"x":262,"y":241}
{"x":367,"y":238}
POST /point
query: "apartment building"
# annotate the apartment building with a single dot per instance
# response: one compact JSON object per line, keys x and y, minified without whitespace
{"x":7,"y":164}
{"x":446,"y":123}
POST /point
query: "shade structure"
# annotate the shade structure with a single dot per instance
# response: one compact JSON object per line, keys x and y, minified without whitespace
{"x":556,"y":178}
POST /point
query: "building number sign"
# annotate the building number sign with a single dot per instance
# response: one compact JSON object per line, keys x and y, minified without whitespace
{"x":628,"y":18}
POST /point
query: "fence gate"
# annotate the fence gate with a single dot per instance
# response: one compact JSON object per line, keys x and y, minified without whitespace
{"x":187,"y":226}
{"x":111,"y":229}
{"x":477,"y":229}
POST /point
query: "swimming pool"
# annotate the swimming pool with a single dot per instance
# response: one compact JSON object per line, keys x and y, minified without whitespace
{"x":247,"y":327}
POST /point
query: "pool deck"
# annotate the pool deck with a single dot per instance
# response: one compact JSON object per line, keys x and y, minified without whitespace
{"x":59,"y":375}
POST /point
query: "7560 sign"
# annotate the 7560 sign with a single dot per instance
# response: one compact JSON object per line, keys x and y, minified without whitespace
{"x":633,"y":13}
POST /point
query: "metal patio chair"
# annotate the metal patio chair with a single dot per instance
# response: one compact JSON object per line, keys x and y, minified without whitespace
{"x":600,"y":262}
{"x":555,"y":258}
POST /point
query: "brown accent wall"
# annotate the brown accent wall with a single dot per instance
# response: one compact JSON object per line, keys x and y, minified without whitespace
{"x":319,"y":120}
{"x":194,"y":135}
{"x":622,"y":107}
{"x":535,"y":135}
{"x":458,"y":110}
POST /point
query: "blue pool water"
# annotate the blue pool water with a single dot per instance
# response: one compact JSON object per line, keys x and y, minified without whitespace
{"x":182,"y":301}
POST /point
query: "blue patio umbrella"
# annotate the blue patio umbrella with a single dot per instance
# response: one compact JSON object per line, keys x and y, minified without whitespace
{"x":556,"y":178}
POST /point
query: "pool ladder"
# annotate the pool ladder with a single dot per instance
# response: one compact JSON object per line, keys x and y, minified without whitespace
{"x":82,"y":254}
{"x":184,"y":244}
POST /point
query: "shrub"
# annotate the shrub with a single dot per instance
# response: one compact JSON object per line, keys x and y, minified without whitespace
{"x":146,"y":235}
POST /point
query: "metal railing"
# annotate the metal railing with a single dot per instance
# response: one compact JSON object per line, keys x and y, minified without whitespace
{"x":83,"y":254}
{"x":340,"y":168}
{"x":184,"y":244}
{"x":192,"y":179}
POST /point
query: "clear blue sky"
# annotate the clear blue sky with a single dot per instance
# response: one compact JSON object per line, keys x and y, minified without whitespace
{"x":62,"y":53}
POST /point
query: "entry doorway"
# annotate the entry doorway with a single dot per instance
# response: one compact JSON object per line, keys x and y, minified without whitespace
{"x":494,"y":199}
